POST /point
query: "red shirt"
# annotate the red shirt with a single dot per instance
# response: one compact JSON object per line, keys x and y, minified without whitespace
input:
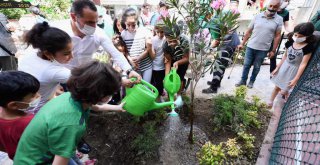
{"x":11,"y":131}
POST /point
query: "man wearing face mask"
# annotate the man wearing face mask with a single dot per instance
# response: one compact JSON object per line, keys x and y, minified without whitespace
{"x":263,"y":29}
{"x":19,"y":91}
{"x":284,"y":13}
{"x":87,"y":37}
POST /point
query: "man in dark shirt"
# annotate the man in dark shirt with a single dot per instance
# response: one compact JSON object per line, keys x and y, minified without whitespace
{"x":284,"y":13}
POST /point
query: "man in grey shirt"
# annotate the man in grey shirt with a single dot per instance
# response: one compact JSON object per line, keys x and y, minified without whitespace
{"x":264,"y":28}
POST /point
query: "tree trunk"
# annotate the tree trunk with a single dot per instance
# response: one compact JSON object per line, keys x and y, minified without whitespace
{"x":191,"y":114}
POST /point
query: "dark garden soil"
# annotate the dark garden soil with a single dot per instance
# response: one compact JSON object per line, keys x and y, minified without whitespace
{"x":111,"y":134}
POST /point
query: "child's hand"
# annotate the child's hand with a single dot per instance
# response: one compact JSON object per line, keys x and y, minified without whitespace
{"x":293,"y":83}
{"x":275,"y":72}
{"x":120,"y":107}
{"x":135,"y":59}
{"x":176,"y":65}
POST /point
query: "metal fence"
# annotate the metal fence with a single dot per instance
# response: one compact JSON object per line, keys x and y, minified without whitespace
{"x":297,"y":140}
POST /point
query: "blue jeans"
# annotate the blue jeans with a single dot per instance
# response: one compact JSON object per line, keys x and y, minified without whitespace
{"x":253,"y":57}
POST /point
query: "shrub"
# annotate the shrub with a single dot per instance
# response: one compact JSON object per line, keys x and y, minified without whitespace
{"x":211,"y":154}
{"x":235,"y":112}
{"x":247,"y":140}
{"x":233,"y":148}
{"x":241,"y":91}
{"x":147,"y":142}
{"x":13,"y":13}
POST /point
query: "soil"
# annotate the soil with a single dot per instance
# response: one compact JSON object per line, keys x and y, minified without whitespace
{"x":111,"y":134}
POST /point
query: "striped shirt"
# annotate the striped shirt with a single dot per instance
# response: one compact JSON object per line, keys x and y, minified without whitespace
{"x":179,"y":51}
{"x":136,"y":44}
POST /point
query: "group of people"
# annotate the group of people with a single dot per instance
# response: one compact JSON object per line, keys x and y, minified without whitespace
{"x":41,"y":123}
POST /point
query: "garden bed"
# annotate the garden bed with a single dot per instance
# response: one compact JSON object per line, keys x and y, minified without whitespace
{"x":111,"y":136}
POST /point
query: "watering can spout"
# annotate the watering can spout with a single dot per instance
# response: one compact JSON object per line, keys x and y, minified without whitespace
{"x":161,"y":105}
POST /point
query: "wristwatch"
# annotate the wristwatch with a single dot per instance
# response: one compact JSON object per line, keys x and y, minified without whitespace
{"x":129,"y":71}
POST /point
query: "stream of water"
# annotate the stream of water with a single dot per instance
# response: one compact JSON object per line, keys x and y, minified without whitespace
{"x":175,"y":147}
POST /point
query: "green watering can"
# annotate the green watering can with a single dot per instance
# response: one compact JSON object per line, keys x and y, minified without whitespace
{"x":172,"y":85}
{"x":142,"y":98}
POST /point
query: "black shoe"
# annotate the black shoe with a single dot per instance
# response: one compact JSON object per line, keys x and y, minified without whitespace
{"x":250,"y":85}
{"x":210,"y":83}
{"x":210,"y":90}
{"x":240,"y":83}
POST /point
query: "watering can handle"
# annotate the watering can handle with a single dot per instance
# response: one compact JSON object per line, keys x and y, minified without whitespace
{"x":148,"y":85}
{"x":173,"y":71}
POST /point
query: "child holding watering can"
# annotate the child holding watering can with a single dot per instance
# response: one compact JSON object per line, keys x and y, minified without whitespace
{"x":176,"y":52}
{"x":53,"y":134}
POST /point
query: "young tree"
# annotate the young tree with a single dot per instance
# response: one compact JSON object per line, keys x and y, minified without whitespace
{"x":199,"y":15}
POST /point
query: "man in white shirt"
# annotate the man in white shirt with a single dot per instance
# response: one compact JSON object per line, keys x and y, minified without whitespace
{"x":87,"y":37}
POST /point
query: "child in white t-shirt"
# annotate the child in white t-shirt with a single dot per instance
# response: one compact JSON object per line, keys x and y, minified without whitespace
{"x":158,"y":69}
{"x":53,"y":49}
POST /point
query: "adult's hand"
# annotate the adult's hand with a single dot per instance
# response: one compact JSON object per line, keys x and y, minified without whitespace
{"x":271,"y":54}
{"x":134,"y":74}
{"x":240,"y":47}
{"x":127,"y":83}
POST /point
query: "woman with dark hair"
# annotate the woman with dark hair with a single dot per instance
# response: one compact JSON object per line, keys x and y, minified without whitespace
{"x":53,"y":49}
{"x":294,"y":61}
{"x":117,"y":27}
{"x":53,"y":134}
{"x":138,"y":41}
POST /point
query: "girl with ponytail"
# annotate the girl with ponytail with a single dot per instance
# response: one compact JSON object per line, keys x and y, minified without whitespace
{"x":52,"y":50}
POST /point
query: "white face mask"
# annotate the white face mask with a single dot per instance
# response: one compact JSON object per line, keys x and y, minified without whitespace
{"x":54,"y":61}
{"x":32,"y":104}
{"x":299,"y":40}
{"x":284,"y":5}
{"x":87,"y":30}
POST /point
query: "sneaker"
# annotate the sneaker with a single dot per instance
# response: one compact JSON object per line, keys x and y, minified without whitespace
{"x":240,"y":83}
{"x":250,"y":85}
{"x":210,"y":83}
{"x":210,"y":90}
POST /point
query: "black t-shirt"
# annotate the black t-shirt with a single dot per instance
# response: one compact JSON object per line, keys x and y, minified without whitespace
{"x":177,"y":52}
{"x":284,"y":14}
{"x":306,"y":50}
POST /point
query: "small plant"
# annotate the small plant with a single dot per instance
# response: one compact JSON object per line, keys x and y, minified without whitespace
{"x":248,"y":141}
{"x":241,"y":91}
{"x":211,"y":154}
{"x":233,"y":149}
{"x":147,"y":142}
{"x":13,"y":13}
{"x":235,"y":112}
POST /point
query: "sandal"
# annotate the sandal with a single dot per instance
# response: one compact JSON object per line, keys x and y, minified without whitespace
{"x":91,"y":162}
{"x":270,"y":104}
